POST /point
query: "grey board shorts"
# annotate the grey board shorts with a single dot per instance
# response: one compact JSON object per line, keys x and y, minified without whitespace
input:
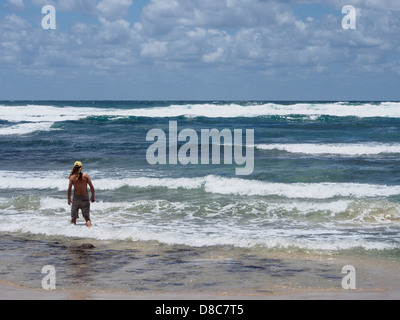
{"x":83,"y":203}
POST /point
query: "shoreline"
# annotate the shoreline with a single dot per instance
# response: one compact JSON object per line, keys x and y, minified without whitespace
{"x":151,"y":271}
{"x":10,"y":291}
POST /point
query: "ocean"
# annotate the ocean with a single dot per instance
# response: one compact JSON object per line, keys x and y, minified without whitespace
{"x":323,"y":181}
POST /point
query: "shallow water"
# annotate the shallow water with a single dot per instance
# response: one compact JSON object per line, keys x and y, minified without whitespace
{"x":155,"y":268}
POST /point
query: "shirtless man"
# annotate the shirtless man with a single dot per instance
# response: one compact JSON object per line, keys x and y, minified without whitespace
{"x":80,"y":181}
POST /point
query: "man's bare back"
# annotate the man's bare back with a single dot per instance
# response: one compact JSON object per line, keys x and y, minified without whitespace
{"x":80,"y":186}
{"x":80,"y":181}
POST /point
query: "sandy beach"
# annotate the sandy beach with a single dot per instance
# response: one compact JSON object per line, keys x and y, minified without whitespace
{"x":13,"y":292}
{"x":149,"y":271}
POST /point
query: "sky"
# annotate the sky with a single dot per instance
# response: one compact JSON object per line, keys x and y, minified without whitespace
{"x":199,"y":50}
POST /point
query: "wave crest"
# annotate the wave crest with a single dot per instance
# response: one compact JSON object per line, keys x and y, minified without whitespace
{"x":209,"y":184}
{"x":43,"y":117}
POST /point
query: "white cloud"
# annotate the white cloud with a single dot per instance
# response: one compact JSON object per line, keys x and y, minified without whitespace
{"x":84,"y":6}
{"x":18,"y":4}
{"x":42,"y":3}
{"x":114,"y":9}
{"x":114,"y":32}
{"x":154,"y":49}
{"x":214,"y":56}
{"x":217,"y":13}
{"x":262,"y":38}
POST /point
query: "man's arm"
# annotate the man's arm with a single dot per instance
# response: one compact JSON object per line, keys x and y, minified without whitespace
{"x":91,"y":188}
{"x":69,"y":192}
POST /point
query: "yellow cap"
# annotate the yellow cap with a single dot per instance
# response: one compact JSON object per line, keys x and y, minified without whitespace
{"x":78,"y":164}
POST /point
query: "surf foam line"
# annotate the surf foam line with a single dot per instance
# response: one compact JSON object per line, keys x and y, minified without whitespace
{"x":40,"y":113}
{"x":345,"y":149}
{"x":341,"y":211}
{"x":45,"y":116}
{"x":209,"y":233}
{"x":209,"y":184}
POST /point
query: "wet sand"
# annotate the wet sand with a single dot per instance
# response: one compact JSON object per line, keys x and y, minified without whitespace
{"x":151,"y":271}
{"x":14,"y":292}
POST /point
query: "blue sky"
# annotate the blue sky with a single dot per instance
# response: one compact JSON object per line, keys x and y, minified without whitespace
{"x":200,"y":50}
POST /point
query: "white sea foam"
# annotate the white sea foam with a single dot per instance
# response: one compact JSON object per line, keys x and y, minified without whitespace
{"x":346,"y":149}
{"x":210,"y":184}
{"x":44,"y":116}
{"x":334,"y":224}
{"x":232,"y":110}
{"x":195,"y":232}
{"x":296,"y":190}
{"x":25,"y":128}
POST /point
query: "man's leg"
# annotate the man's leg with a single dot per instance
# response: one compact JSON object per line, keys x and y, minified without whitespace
{"x":86,"y":213}
{"x":74,"y":212}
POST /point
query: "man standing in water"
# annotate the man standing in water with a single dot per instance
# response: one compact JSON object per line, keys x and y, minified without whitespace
{"x":80,"y":181}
